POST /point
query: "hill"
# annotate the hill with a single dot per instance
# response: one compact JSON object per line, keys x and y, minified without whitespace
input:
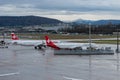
{"x":26,"y":20}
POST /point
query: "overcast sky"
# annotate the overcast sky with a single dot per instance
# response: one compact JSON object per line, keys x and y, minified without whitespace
{"x":66,"y":10}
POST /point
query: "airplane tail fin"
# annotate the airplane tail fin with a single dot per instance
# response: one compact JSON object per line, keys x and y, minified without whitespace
{"x":50,"y":43}
{"x":14,"y":37}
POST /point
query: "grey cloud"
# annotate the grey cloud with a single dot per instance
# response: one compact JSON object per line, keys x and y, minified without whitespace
{"x":68,"y":5}
{"x":58,"y":7}
{"x":77,"y":5}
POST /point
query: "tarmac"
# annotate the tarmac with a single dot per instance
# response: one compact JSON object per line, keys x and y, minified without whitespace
{"x":26,"y":63}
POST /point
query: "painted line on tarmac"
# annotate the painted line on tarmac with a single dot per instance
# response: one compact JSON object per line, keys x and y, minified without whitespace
{"x":71,"y":78}
{"x":9,"y":74}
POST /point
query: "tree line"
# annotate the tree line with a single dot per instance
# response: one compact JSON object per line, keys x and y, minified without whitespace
{"x":95,"y":29}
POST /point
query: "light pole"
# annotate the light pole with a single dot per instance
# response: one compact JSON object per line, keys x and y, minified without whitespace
{"x":90,"y":60}
{"x":117,"y":50}
{"x":90,"y":36}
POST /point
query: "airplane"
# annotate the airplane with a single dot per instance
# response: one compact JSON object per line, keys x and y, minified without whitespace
{"x":16,"y":40}
{"x":38,"y":44}
{"x":68,"y":45}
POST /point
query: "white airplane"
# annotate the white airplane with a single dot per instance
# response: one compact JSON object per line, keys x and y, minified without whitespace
{"x":68,"y":45}
{"x":38,"y":44}
{"x":16,"y":40}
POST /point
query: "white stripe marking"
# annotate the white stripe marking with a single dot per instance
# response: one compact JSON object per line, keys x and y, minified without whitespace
{"x":71,"y":78}
{"x":9,"y":74}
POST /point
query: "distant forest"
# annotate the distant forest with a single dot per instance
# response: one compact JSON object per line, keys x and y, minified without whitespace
{"x":95,"y":29}
{"x":26,"y":21}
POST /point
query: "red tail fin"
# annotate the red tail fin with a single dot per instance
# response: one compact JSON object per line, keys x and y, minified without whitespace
{"x":14,"y":37}
{"x":50,"y":43}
